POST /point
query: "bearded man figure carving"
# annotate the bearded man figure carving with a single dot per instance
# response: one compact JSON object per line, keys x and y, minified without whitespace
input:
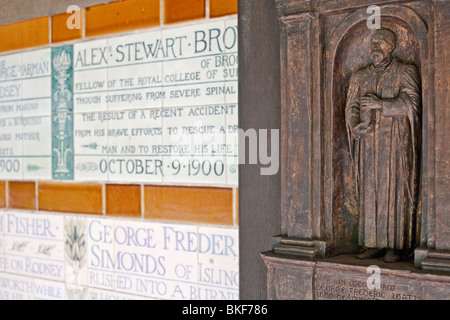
{"x":382,"y":113}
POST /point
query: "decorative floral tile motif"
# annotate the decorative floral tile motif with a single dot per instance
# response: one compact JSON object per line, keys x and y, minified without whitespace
{"x":62,"y":113}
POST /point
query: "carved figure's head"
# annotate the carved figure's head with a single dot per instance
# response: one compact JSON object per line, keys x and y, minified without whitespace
{"x":382,"y":44}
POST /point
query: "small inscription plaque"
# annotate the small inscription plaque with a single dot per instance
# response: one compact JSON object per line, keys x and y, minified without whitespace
{"x":353,"y":285}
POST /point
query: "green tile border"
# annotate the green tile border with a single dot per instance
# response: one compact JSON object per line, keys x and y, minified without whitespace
{"x":62,"y":113}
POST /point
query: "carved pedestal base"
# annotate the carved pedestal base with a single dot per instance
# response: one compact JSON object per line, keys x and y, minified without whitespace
{"x":297,"y":247}
{"x":345,"y":278}
{"x":432,"y":260}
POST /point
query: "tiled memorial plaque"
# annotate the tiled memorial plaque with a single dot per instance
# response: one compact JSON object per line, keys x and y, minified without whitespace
{"x":159,"y":260}
{"x":25,"y":108}
{"x":157,"y":106}
{"x":76,"y":257}
{"x":2,"y":243}
{"x":33,"y":245}
{"x":14,"y":287}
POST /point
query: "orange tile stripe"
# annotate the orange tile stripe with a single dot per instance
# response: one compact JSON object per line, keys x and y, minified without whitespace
{"x":218,"y":8}
{"x":208,"y":205}
{"x":113,"y":17}
{"x":2,"y":194}
{"x":71,"y":197}
{"x":24,"y":34}
{"x":183,"y":10}
{"x":123,"y":201}
{"x":22,"y":195}
{"x":60,"y":30}
{"x":189,"y":204}
{"x":121,"y":16}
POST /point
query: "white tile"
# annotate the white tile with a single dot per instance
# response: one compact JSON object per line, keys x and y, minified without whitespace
{"x":141,"y":48}
{"x":154,"y":260}
{"x":11,"y":87}
{"x":76,"y":250}
{"x":34,"y":245}
{"x":2,"y":242}
{"x":191,"y":75}
{"x":197,"y":138}
{"x":135,"y":72}
{"x":36,"y":72}
{"x":177,"y":148}
{"x":76,"y":292}
{"x":11,"y":164}
{"x":91,"y":75}
{"x":179,"y":244}
{"x":49,"y":290}
{"x":230,"y":61}
{"x":218,"y":276}
{"x":97,"y":294}
{"x":131,"y":142}
{"x":90,"y":145}
{"x":101,"y":260}
{"x":140,"y":265}
{"x":213,"y":170}
{"x":16,"y":287}
{"x":136,"y":86}
{"x":204,"y":93}
{"x":37,"y":148}
{"x":194,"y":41}
{"x":231,"y":98}
{"x":232,"y":141}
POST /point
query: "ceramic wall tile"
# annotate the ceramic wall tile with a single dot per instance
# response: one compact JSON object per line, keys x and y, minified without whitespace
{"x":11,"y":161}
{"x":34,"y":245}
{"x":76,"y":251}
{"x":133,"y":142}
{"x":139,"y":263}
{"x":232,"y":142}
{"x":101,"y":261}
{"x":179,"y":246}
{"x":37,"y":149}
{"x":36,"y":83}
{"x":11,"y":87}
{"x":135,"y":71}
{"x":230,"y":61}
{"x":218,"y":263}
{"x":49,"y":290}
{"x":14,"y":287}
{"x":118,"y":259}
{"x":192,"y":73}
{"x":90,"y":145}
{"x":97,"y":294}
{"x":195,"y":148}
{"x":2,"y":242}
{"x":62,"y":113}
{"x":91,"y":75}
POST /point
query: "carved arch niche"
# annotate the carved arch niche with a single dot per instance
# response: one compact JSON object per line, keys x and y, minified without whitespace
{"x":346,"y":50}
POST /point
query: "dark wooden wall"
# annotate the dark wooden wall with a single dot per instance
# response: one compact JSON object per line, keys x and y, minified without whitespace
{"x":259,"y":108}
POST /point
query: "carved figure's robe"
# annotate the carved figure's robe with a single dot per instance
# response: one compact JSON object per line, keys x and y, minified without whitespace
{"x":386,"y":161}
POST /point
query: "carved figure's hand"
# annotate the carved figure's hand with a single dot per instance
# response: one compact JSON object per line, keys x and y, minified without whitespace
{"x":361,"y":130}
{"x":371,"y":102}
